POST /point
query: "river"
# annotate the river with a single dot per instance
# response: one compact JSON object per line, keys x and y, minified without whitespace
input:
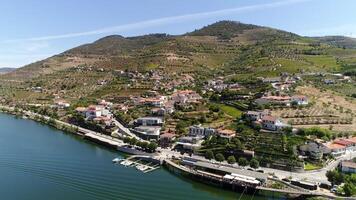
{"x":38,"y":162}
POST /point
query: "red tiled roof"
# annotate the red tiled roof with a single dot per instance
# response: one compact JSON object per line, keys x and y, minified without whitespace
{"x":343,"y":142}
{"x":269,"y":118}
{"x":335,"y":146}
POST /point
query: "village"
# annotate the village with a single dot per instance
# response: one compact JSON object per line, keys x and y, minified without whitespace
{"x":271,"y":128}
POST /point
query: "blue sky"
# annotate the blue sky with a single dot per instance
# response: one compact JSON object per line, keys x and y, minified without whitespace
{"x":32,"y":30}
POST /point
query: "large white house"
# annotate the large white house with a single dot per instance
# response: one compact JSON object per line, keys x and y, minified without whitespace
{"x":273,"y":123}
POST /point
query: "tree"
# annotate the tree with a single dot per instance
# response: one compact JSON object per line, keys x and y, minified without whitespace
{"x":237,"y":143}
{"x":144,"y":145}
{"x":243,"y":161}
{"x":133,"y":141}
{"x":335,"y":177}
{"x":219,"y":157}
{"x":231,"y":160}
{"x":152,"y":146}
{"x":254,"y":163}
{"x":203,"y":119}
{"x":127,"y":140}
{"x":209,"y":154}
{"x":349,"y":189}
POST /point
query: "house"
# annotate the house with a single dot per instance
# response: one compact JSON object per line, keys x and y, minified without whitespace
{"x":106,"y":104}
{"x":158,"y":111}
{"x":273,"y":123}
{"x":107,"y":121}
{"x":348,"y":166}
{"x":157,"y":101}
{"x":349,"y":145}
{"x":149,"y":121}
{"x":61,"y":104}
{"x":147,"y":132}
{"x":314,"y":150}
{"x":299,"y":100}
{"x":198,"y":130}
{"x":189,"y":143}
{"x":256,"y":115}
{"x":225,"y":133}
{"x":167,"y":138}
{"x":95,"y":111}
{"x":336,"y":149}
{"x":186,"y":97}
{"x":353,"y":140}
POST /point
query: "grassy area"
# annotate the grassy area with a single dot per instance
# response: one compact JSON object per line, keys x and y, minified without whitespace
{"x":323,"y":62}
{"x":229,"y":110}
{"x":310,"y":166}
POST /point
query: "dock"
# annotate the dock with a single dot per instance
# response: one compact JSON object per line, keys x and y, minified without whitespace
{"x":142,"y":163}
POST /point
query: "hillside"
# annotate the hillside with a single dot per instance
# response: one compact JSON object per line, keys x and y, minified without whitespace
{"x":224,"y":48}
{"x":5,"y":70}
{"x":338,"y":41}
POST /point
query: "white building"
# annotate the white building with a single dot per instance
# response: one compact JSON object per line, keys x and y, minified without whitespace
{"x":273,"y":123}
{"x":148,"y":132}
{"x":149,"y":121}
{"x":198,"y":130}
{"x":256,"y":115}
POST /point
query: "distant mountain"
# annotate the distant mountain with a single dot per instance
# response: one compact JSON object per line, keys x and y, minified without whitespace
{"x":5,"y":70}
{"x":338,"y":41}
{"x":224,"y":47}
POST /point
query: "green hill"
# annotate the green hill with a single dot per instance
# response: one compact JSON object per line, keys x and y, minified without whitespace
{"x":223,"y":48}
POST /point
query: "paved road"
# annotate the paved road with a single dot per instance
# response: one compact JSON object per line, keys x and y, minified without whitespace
{"x":315,"y":175}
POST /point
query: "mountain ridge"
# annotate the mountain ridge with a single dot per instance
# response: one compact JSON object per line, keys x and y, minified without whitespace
{"x":220,"y":42}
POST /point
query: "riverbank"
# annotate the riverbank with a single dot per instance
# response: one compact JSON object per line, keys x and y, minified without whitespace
{"x":88,"y":134}
{"x":40,"y":162}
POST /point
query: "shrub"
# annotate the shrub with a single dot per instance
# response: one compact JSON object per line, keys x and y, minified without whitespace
{"x":219,"y":157}
{"x":209,"y":154}
{"x":254,"y":163}
{"x":231,"y":160}
{"x":243,"y":161}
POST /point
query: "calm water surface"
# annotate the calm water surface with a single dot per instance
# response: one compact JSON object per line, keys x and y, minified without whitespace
{"x":38,"y":162}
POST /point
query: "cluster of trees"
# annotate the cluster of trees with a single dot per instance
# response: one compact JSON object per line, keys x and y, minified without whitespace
{"x":44,"y":111}
{"x":318,"y":132}
{"x":349,"y":180}
{"x":78,"y":119}
{"x":146,"y":146}
{"x":242,"y":161}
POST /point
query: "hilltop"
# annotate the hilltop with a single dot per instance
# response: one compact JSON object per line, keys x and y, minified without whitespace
{"x":224,"y":48}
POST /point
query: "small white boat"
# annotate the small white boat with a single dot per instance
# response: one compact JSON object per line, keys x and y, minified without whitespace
{"x":117,"y":160}
{"x":126,"y":163}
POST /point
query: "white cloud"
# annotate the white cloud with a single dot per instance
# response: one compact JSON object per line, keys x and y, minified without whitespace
{"x":166,"y":20}
{"x":344,"y":29}
{"x":18,"y":52}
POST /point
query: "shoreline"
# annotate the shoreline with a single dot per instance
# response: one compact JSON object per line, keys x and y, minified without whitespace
{"x":102,"y":139}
